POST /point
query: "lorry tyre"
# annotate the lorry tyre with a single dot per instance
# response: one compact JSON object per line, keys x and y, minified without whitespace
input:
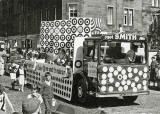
{"x":130,"y":99}
{"x":81,"y":93}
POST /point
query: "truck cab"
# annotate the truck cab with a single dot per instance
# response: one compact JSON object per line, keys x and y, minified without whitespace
{"x":114,"y":65}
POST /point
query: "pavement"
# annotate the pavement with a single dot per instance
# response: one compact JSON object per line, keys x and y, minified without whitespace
{"x":145,"y":104}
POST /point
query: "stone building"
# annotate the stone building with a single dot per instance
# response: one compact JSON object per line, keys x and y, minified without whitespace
{"x":21,"y":18}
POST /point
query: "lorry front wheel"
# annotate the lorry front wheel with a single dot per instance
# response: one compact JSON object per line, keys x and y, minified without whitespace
{"x":81,"y":91}
{"x":130,"y":99}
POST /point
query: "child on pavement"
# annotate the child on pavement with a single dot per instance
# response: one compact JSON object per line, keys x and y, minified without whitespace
{"x":35,"y":94}
{"x":46,"y":93}
{"x":21,"y":78}
{"x":3,"y":99}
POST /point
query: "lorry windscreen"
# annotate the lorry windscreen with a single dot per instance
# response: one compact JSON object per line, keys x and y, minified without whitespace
{"x":123,"y":52}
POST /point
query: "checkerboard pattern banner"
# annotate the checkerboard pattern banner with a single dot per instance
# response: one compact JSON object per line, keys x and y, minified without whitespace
{"x":61,"y":33}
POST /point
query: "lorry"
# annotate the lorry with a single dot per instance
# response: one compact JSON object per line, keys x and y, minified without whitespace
{"x":101,"y":68}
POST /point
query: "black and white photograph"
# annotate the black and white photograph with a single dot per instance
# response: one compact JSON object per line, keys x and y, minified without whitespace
{"x":79,"y":56}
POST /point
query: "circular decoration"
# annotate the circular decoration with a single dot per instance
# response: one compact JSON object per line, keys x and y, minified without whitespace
{"x":80,"y":35}
{"x":52,"y":24}
{"x":125,"y":87}
{"x":80,"y":21}
{"x":145,"y":75}
{"x":78,"y":63}
{"x":86,"y":29}
{"x":103,"y":82}
{"x":120,"y":77}
{"x":119,"y":68}
{"x":133,"y":85}
{"x":105,"y":69}
{"x":42,"y":43}
{"x":51,"y":37}
{"x":62,"y":30}
{"x":56,"y":37}
{"x":51,"y":49}
{"x":68,"y":44}
{"x":87,"y":21}
{"x":139,"y":86}
{"x":110,"y":75}
{"x":56,"y":51}
{"x":135,"y":70}
{"x":117,"y":84}
{"x":68,"y":37}
{"x":103,"y":88}
{"x":62,"y":44}
{"x":111,"y":69}
{"x":74,"y":21}
{"x":74,"y":29}
{"x":42,"y":30}
{"x":43,"y":24}
{"x":56,"y":30}
{"x":69,"y":23}
{"x":135,"y":89}
{"x":130,"y":75}
{"x":111,"y":80}
{"x":46,"y":42}
{"x":57,"y":23}
{"x":115,"y":73}
{"x":128,"y":82}
{"x":80,"y":29}
{"x":104,"y":76}
{"x":124,"y":77}
{"x":144,"y":82}
{"x":42,"y":37}
{"x":56,"y":44}
{"x":120,"y":89}
{"x":123,"y":72}
{"x":68,"y":30}
{"x":136,"y":79}
{"x":123,"y":82}
{"x":63,"y":23}
{"x":46,"y":36}
{"x":73,"y":36}
{"x":62,"y":37}
{"x":47,"y":24}
{"x":145,"y":69}
{"x":52,"y":31}
{"x":72,"y":44}
{"x":47,"y":30}
{"x":51,"y":43}
{"x":86,"y":35}
{"x":110,"y":89}
{"x":129,"y":69}
{"x":140,"y":73}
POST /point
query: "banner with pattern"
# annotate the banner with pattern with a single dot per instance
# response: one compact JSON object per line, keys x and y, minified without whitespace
{"x":61,"y":33}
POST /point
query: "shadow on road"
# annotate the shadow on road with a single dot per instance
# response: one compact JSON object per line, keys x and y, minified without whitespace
{"x":100,"y":102}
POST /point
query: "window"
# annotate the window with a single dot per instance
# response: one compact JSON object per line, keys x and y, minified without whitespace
{"x":110,"y":15}
{"x":155,"y":3}
{"x":123,"y":52}
{"x":128,"y":17}
{"x":73,"y":10}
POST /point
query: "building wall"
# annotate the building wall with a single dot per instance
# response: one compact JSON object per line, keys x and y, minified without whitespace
{"x":98,"y":9}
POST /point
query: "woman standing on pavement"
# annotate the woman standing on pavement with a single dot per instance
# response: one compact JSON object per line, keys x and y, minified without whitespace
{"x":46,"y":93}
{"x":21,"y":78}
